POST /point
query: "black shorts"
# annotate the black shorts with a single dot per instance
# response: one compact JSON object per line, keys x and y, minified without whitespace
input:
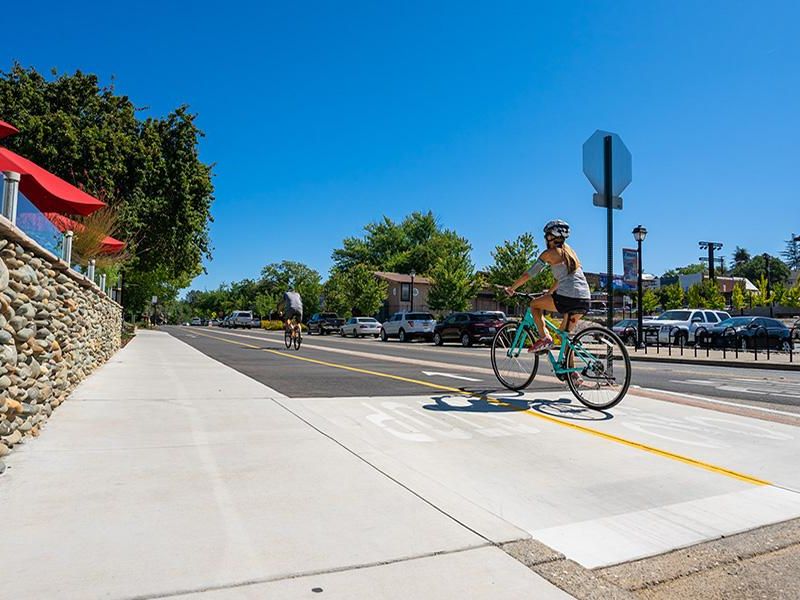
{"x":566,"y":305}
{"x":290,"y":312}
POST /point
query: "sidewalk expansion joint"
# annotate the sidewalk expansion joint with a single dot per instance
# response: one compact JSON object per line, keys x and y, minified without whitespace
{"x":300,"y":574}
{"x":385,"y":474}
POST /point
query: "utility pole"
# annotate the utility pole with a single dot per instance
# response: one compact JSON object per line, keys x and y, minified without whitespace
{"x":711,"y":247}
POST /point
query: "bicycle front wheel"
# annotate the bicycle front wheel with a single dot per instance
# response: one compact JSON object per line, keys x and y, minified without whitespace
{"x":298,"y":339}
{"x":602,"y":361}
{"x":287,"y":339}
{"x":514,"y":367}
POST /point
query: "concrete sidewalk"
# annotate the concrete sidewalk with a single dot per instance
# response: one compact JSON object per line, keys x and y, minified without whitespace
{"x":167,"y":473}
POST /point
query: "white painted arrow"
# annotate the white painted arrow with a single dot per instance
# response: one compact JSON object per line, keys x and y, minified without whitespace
{"x":450,"y":375}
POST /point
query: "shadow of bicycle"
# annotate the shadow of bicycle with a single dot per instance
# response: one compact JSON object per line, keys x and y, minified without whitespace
{"x":491,"y":401}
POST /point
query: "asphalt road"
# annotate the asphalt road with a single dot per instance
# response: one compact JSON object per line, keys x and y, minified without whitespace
{"x":411,"y":366}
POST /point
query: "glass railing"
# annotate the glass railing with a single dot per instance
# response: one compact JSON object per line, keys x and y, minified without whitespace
{"x":37,"y":226}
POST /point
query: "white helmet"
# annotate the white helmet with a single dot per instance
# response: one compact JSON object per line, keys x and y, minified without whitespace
{"x":557,"y":228}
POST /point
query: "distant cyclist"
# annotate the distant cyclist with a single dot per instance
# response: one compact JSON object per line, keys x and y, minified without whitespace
{"x":569,"y":295}
{"x":292,"y":308}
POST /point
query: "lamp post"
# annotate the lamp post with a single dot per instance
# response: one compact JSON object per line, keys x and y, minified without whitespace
{"x":639,"y":233}
{"x":413,"y":274}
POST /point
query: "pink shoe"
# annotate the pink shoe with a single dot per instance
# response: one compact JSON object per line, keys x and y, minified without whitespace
{"x":541,"y":345}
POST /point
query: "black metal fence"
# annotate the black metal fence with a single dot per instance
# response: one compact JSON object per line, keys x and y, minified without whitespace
{"x":732,"y":344}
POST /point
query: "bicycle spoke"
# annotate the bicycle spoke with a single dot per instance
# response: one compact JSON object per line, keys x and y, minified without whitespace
{"x":513,"y":366}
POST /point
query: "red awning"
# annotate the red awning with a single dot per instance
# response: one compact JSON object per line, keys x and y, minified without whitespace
{"x":110,"y":245}
{"x":48,"y":192}
{"x":7,"y":129}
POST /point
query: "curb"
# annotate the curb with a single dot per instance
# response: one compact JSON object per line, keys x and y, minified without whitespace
{"x":712,"y":362}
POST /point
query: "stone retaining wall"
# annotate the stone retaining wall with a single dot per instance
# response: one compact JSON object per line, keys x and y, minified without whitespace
{"x":56,"y":327}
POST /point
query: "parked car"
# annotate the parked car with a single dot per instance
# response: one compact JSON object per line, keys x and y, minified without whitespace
{"x":241,"y":318}
{"x":497,"y":314}
{"x":467,"y":328}
{"x":680,"y":325}
{"x":360,"y":327}
{"x":406,"y":326}
{"x":324,"y":323}
{"x":623,"y":330}
{"x":752,"y":332}
{"x":196,"y":321}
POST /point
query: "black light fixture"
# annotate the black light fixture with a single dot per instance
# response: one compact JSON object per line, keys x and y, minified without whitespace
{"x":639,"y":233}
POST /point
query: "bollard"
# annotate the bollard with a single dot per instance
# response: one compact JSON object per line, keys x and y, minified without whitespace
{"x":90,"y":270}
{"x":67,"y":250}
{"x":10,"y":195}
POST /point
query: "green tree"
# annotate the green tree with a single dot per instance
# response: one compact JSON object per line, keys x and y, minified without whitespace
{"x":779,"y":292}
{"x":791,"y":255}
{"x":693,"y":297}
{"x":148,"y":170}
{"x":706,"y":294}
{"x":756,"y":267}
{"x":415,"y":243}
{"x":740,"y":256}
{"x":281,"y":277}
{"x":650,"y":302}
{"x":762,"y":297}
{"x":512,"y":259}
{"x":792,"y":298}
{"x":671,"y":296}
{"x":356,"y":292}
{"x":454,"y":283}
{"x":266,"y":304}
{"x":738,"y":301}
{"x":687,"y":270}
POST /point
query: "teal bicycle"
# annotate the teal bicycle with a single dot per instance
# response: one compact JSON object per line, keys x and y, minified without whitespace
{"x":594,"y":363}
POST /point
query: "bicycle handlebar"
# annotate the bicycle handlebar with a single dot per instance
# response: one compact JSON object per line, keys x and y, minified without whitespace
{"x":528,"y":295}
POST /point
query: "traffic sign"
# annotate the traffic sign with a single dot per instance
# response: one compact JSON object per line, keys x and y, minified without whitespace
{"x":593,"y":163}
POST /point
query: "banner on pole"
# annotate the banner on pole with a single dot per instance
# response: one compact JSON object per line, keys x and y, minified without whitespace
{"x":630,"y":264}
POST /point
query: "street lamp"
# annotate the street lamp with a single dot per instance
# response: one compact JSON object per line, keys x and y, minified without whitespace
{"x":639,"y":233}
{"x":413,"y":274}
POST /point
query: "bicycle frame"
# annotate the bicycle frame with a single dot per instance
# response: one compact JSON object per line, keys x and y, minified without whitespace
{"x":559,"y":364}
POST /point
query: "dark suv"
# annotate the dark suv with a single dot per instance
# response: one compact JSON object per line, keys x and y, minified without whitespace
{"x":468,"y":328}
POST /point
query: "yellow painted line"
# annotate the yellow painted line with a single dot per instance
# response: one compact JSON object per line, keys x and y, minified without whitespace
{"x":606,"y":436}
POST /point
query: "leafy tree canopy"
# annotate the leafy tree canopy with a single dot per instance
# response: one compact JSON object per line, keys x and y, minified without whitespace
{"x":454,"y":283}
{"x":148,"y":170}
{"x":415,"y":243}
{"x":687,"y":270}
{"x":512,"y":259}
{"x":756,"y":267}
{"x":791,"y":254}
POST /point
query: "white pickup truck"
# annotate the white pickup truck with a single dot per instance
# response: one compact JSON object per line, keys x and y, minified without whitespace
{"x":681,"y":325}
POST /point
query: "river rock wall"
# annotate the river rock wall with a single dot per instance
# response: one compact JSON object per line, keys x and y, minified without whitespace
{"x":56,"y":327}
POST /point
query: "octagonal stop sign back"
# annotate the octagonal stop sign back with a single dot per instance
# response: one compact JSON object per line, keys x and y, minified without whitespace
{"x":593,"y":167}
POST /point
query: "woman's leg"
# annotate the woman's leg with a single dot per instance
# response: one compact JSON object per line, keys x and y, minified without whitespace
{"x":538,"y":306}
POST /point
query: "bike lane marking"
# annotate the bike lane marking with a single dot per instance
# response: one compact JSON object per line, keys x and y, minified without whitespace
{"x":573,"y":426}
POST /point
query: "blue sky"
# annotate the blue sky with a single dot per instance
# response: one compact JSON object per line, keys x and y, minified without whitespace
{"x":322,"y":116}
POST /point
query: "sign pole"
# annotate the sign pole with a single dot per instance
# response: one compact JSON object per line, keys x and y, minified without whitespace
{"x":608,"y":190}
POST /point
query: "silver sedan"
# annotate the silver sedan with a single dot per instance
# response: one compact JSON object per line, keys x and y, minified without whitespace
{"x":361,"y":326}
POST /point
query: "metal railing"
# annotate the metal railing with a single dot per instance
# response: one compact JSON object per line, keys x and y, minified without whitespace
{"x":730,"y":342}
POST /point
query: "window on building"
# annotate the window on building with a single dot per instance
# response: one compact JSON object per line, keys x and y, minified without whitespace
{"x":405,"y":292}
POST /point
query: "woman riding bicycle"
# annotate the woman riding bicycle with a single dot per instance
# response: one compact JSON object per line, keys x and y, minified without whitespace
{"x":569,"y":295}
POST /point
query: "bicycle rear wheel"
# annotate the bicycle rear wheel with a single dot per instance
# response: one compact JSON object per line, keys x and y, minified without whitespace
{"x":604,"y":366}
{"x":515,"y":368}
{"x":298,"y":339}
{"x":287,"y":339}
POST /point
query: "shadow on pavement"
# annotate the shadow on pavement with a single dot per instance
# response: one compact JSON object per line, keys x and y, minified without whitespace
{"x":479,"y":401}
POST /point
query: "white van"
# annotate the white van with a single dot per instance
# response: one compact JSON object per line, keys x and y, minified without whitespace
{"x":241,"y":318}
